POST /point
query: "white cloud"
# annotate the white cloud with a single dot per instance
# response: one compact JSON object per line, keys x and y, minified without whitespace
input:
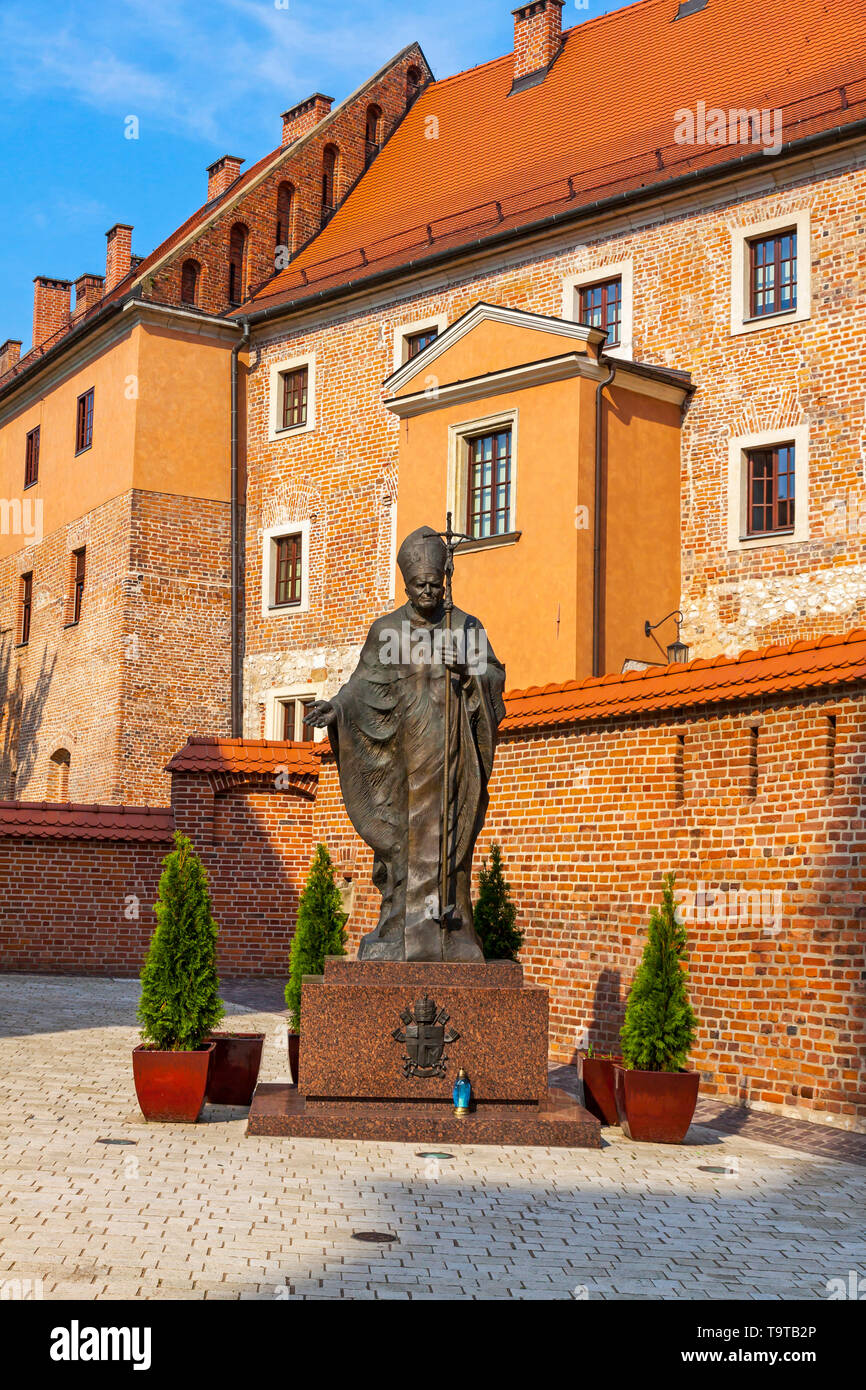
{"x":216,"y":71}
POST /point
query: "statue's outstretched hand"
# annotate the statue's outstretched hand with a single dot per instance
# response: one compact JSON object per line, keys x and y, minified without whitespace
{"x":320,"y":714}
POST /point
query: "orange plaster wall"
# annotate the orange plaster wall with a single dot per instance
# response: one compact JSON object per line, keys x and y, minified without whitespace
{"x":492,"y":347}
{"x":642,"y":532}
{"x":517,"y":590}
{"x":71,"y":485}
{"x":184,"y":415}
{"x":535,"y":596}
{"x":161,"y":423}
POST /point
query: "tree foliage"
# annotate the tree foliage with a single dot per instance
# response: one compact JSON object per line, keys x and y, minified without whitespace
{"x":495,"y":912}
{"x":180,"y":1001}
{"x":660,"y":1025}
{"x":318,"y":930}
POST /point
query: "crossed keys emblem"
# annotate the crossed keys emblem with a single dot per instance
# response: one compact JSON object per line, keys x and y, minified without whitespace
{"x":426,"y":1037}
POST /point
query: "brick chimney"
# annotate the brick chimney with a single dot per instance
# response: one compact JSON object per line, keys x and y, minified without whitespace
{"x":10,"y":352}
{"x":118,"y":254}
{"x":50,"y":307}
{"x":88,"y":289}
{"x":300,"y":119}
{"x":537,"y":36}
{"x":221,"y":174}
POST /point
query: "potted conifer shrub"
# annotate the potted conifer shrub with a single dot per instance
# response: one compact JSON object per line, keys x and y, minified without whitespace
{"x":495,"y":912}
{"x":318,"y":933}
{"x":180,"y":1001}
{"x":655,"y":1095}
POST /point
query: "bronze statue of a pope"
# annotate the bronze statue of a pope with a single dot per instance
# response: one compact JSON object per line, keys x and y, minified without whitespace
{"x":414,"y":731}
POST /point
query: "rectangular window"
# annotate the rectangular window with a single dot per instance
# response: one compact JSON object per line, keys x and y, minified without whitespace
{"x":773,"y":274}
{"x":294,"y":727}
{"x":295,"y":398}
{"x":31,"y":458}
{"x":84,"y":422}
{"x":601,"y":307}
{"x":771,"y":489}
{"x":288,"y":572}
{"x":25,"y":605}
{"x":416,"y":342}
{"x":76,"y":596}
{"x":488,"y":509}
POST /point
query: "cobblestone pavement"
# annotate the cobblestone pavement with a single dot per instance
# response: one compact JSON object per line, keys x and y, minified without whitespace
{"x":200,"y":1211}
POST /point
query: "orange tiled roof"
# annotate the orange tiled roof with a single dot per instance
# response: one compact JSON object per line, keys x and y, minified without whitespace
{"x":246,"y":755}
{"x":832,"y":661}
{"x":600,"y":124}
{"x":52,"y":820}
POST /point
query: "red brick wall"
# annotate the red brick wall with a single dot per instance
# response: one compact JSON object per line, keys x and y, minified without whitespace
{"x":766,"y":833}
{"x":63,"y":689}
{"x":147,"y":665}
{"x":74,"y":906}
{"x":589,"y":819}
{"x":256,"y":841}
{"x":176,"y":652}
{"x":342,"y":475}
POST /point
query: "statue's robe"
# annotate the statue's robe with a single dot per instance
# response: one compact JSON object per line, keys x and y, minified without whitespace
{"x":389,"y":742}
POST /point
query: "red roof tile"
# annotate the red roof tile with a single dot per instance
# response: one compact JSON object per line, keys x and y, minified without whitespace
{"x":803,"y":666}
{"x":601,"y":123}
{"x":52,"y":820}
{"x":253,"y":755}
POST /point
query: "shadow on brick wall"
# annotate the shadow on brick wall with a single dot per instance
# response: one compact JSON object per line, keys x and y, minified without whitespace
{"x":21,"y":718}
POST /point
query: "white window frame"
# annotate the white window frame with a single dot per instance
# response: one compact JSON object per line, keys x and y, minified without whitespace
{"x":274,"y":707}
{"x":799,"y":221}
{"x":458,"y":470}
{"x":275,"y":393}
{"x":270,"y":609}
{"x":406,"y":330}
{"x":622,"y":270}
{"x":738,"y":487}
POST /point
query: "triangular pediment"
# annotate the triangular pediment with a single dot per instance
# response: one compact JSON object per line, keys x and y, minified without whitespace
{"x":491,"y":338}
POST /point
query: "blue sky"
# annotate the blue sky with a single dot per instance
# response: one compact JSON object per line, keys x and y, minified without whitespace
{"x":205,"y":78}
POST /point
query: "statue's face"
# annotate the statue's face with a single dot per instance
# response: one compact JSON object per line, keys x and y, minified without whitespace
{"x":425,"y":589}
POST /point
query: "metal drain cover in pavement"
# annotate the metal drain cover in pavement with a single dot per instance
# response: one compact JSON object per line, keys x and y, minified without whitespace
{"x":374,"y":1237}
{"x":117,"y":1141}
{"x":713,"y":1168}
{"x":430,"y":1154}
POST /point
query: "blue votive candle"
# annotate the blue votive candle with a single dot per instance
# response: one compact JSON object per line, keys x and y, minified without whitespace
{"x":462,"y":1093}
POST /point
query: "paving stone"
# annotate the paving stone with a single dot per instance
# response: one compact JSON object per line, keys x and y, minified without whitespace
{"x":194,"y":1211}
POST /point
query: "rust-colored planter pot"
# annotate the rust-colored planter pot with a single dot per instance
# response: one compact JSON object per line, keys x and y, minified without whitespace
{"x":234,"y":1067}
{"x":596,"y":1073}
{"x":656,"y":1106}
{"x":294,"y":1055}
{"x":171,"y":1086}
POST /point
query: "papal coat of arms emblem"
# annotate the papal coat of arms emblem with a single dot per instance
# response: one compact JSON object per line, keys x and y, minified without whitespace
{"x":426,"y":1037}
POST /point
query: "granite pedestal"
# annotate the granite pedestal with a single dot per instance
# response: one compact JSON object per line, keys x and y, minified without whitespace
{"x":360,"y":1081}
